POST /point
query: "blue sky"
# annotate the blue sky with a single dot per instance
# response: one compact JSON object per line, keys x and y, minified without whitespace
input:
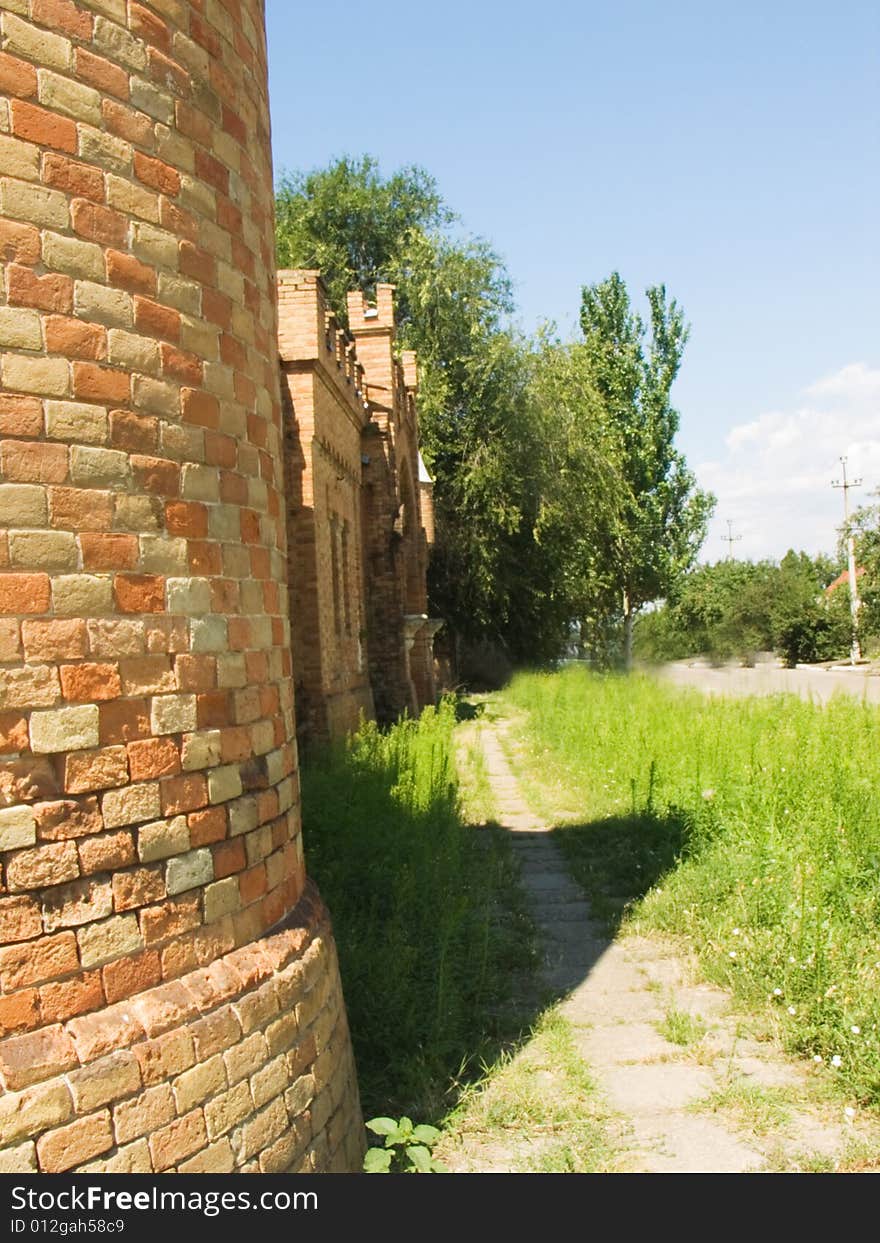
{"x":732,"y":152}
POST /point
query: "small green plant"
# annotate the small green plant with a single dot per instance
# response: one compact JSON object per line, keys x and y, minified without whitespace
{"x":407,"y":1148}
{"x":680,"y":1027}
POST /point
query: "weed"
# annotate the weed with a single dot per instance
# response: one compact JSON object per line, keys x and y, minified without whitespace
{"x":680,"y":1027}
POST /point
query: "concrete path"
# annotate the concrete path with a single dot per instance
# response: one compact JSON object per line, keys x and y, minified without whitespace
{"x":769,"y":679}
{"x":617,"y":993}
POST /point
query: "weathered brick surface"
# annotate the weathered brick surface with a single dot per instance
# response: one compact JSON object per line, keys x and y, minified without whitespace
{"x":150,"y":827}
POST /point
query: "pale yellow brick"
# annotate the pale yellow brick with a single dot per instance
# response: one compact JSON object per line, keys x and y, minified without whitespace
{"x":180,"y":292}
{"x":114,"y":9}
{"x":112,"y":307}
{"x":36,"y":1109}
{"x":161,"y":554}
{"x":108,"y":940}
{"x":20,"y":328}
{"x":116,"y":637}
{"x":197,"y":195}
{"x":227,"y":149}
{"x":99,"y":468}
{"x":270,"y":1081}
{"x":46,"y":376}
{"x":200,"y":1082}
{"x":154,"y":246}
{"x":208,"y":634}
{"x":23,"y":201}
{"x":186,"y":443}
{"x":228,"y":1109}
{"x":82,"y":595}
{"x":222,"y":898}
{"x":34,"y":43}
{"x":200,"y":483}
{"x":220,"y":380}
{"x":172,"y":714}
{"x":156,"y":103}
{"x":231,"y":670}
{"x":116,"y":43}
{"x":243,"y":816}
{"x":215,"y":241}
{"x":191,"y":54}
{"x":75,"y":99}
{"x":215,"y":1159}
{"x":224,"y":783}
{"x":64,"y":729}
{"x":188,"y":596}
{"x":132,"y":804}
{"x":188,"y":871}
{"x":131,"y":1159}
{"x":34,"y":686}
{"x":5,"y":127}
{"x":73,"y":256}
{"x":201,"y":750}
{"x":20,"y":159}
{"x":43,"y":550}
{"x":130,"y":349}
{"x":105,"y":150}
{"x":163,"y":838}
{"x":74,"y":420}
{"x":230,"y":282}
{"x":17,"y":828}
{"x":155,"y":396}
{"x":134,"y":200}
{"x":22,"y":1159}
{"x":200,"y":338}
{"x":22,"y":505}
{"x":175,"y":149}
{"x":137,"y":513}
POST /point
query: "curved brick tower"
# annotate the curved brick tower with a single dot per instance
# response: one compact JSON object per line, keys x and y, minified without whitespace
{"x":169,"y":996}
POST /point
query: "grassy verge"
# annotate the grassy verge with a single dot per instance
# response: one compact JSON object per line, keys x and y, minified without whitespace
{"x":752,"y":826}
{"x":427,"y":917}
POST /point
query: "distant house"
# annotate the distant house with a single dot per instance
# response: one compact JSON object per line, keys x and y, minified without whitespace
{"x":842,"y":580}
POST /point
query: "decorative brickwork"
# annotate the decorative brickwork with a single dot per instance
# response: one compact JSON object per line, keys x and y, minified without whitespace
{"x":155,"y":1012}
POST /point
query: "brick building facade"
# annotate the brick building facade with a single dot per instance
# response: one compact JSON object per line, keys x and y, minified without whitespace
{"x":169,"y":995}
{"x":358,"y":503}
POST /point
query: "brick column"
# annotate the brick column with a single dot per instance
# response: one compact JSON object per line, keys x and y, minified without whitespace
{"x":169,"y":997}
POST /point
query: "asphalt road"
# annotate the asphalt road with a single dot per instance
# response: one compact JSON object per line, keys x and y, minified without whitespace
{"x":768,"y":679}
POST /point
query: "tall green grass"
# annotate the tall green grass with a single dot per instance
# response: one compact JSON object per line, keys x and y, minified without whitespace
{"x":424,"y":908}
{"x":752,"y":826}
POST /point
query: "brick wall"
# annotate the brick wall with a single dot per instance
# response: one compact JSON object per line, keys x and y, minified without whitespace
{"x":322,"y":383}
{"x":169,"y":997}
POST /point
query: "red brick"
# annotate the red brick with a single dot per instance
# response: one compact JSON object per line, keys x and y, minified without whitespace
{"x":75,"y":1143}
{"x":181,"y":365}
{"x":62,"y":16}
{"x":139,"y":593}
{"x":187,"y":793}
{"x":34,"y":462}
{"x":47,"y":129}
{"x":212,"y":710}
{"x":109,"y":552}
{"x":156,"y":174}
{"x":25,"y":593}
{"x":157,"y":475}
{"x":127,"y":123}
{"x":105,"y":768}
{"x":195,"y":672}
{"x":202,"y":409}
{"x":72,"y":177}
{"x":176,"y":220}
{"x":135,"y":433}
{"x":106,"y":852}
{"x":153,"y":757}
{"x":67,"y":818}
{"x":171,"y":919}
{"x":101,"y":73}
{"x":149,"y":27}
{"x":20,"y":919}
{"x":131,"y":975}
{"x":233,"y":488}
{"x":156,"y":320}
{"x":88,"y":683}
{"x":139,"y":887}
{"x":206,"y":826}
{"x":197,"y":263}
{"x":181,"y":1138}
{"x":204,"y":558}
{"x":20,"y":416}
{"x":186,"y":518}
{"x":80,"y":509}
{"x":32,"y":962}
{"x":210,"y":169}
{"x":220,"y":450}
{"x":17,"y":77}
{"x":74,"y":338}
{"x":126,"y":272}
{"x":229,"y":858}
{"x":13,"y":733}
{"x":52,"y":292}
{"x":123,"y":720}
{"x":99,"y":224}
{"x":252,"y":884}
{"x":95,"y":383}
{"x":19,"y":1012}
{"x":68,"y":998}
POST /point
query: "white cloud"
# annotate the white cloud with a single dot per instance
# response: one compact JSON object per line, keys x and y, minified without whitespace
{"x":774,"y":481}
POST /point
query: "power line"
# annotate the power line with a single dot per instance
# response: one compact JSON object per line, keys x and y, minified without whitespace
{"x":846,"y":486}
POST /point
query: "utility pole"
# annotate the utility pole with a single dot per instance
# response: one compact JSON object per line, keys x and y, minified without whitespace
{"x":730,"y":539}
{"x":854,"y":601}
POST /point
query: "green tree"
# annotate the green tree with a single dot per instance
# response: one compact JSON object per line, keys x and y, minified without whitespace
{"x":663,"y":515}
{"x":865,"y":524}
{"x":479,"y":434}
